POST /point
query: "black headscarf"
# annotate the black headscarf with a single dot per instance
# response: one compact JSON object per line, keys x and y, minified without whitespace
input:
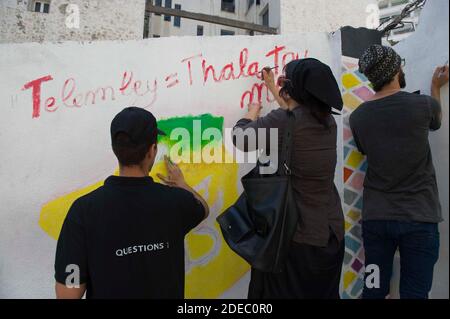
{"x":312,"y":83}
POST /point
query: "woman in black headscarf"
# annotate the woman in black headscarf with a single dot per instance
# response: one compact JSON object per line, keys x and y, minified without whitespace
{"x":309,"y":90}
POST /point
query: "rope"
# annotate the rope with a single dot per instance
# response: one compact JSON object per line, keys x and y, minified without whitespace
{"x":398,"y":20}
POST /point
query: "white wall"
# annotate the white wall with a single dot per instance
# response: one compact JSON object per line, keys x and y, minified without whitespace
{"x":426,"y":49}
{"x":99,"y":20}
{"x":10,"y":3}
{"x":322,"y":15}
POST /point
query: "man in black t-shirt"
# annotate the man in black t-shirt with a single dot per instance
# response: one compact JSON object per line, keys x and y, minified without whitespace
{"x":126,"y":239}
{"x":401,"y":209}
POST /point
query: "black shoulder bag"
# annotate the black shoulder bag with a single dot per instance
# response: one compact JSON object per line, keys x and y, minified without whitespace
{"x":260,"y":226}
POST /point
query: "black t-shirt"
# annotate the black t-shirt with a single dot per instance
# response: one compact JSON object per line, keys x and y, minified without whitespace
{"x":127,"y":238}
{"x":400,"y":182}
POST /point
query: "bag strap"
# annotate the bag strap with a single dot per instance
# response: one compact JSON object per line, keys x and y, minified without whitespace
{"x":284,"y":167}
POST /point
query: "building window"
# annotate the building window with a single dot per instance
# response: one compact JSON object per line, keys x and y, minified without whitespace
{"x":250,"y":3}
{"x":200,"y":30}
{"x":168,"y":4}
{"x":177,"y":20}
{"x":228,"y":6}
{"x":156,"y":36}
{"x":158,"y":3}
{"x":265,"y":17}
{"x":41,"y":6}
{"x":146,"y":25}
{"x":226,"y":32}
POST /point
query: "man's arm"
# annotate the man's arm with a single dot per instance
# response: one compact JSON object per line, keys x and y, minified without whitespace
{"x":246,"y":133}
{"x":185,"y":186}
{"x":436,"y":93}
{"x":440,"y":78}
{"x":175,"y":178}
{"x":71,"y":256}
{"x":355,"y":135}
{"x":64,"y":292}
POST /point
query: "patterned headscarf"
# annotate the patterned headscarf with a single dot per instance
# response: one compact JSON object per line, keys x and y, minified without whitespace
{"x":380,"y":64}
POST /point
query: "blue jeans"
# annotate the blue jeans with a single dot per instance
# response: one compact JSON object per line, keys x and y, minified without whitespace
{"x":418,"y":244}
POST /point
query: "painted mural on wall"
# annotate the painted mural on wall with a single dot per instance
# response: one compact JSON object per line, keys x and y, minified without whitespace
{"x":58,"y":102}
{"x":211,"y":267}
{"x":356,"y":89}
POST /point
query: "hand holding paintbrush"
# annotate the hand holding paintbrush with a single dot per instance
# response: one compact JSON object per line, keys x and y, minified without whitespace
{"x":267,"y":71}
{"x":440,"y":77}
{"x":268,"y":77}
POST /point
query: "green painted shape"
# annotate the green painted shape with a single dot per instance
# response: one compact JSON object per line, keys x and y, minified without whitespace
{"x":187,"y":122}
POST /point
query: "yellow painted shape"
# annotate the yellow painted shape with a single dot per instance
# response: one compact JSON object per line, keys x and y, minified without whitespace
{"x":349,"y":277}
{"x":354,"y":215}
{"x":349,"y":81}
{"x":355,"y":159}
{"x":351,"y":102}
{"x":53,"y":213}
{"x":347,"y":225}
{"x":218,"y":276}
{"x":218,"y":183}
{"x":199,"y":245}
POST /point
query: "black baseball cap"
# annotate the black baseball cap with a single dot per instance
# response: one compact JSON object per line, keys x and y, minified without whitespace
{"x":139,"y":124}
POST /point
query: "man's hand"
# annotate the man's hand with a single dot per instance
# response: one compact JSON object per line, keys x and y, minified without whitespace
{"x":254,"y":111}
{"x":440,"y":77}
{"x":175,"y":177}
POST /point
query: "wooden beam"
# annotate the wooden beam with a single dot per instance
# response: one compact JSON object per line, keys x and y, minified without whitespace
{"x":210,"y":19}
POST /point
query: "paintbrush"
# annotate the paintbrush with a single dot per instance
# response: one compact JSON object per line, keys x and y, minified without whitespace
{"x":443,"y":69}
{"x":267,"y":70}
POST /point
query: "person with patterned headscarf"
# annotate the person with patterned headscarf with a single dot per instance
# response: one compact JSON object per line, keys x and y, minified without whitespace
{"x":381,"y":65}
{"x":401,"y":209}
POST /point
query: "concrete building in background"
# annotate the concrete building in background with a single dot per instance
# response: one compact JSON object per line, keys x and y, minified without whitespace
{"x":288,"y":16}
{"x":49,"y":20}
{"x":46,"y":20}
{"x":326,"y":15}
{"x":392,"y":8}
{"x":263,"y":12}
